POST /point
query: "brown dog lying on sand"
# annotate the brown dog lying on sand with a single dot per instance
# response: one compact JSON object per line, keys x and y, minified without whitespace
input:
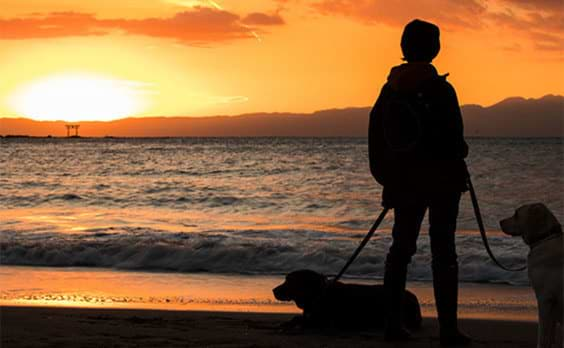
{"x":348,"y":306}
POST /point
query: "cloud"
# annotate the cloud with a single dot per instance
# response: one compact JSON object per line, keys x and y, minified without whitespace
{"x":447,"y":13}
{"x":552,"y":5}
{"x":257,"y":18}
{"x":539,"y":22}
{"x":56,"y":24}
{"x":198,"y":25}
{"x":544,"y":29}
{"x":547,"y":42}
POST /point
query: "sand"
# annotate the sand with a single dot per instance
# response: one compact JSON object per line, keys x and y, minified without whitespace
{"x":45,"y":307}
{"x":106,"y":288}
{"x":92,"y":327}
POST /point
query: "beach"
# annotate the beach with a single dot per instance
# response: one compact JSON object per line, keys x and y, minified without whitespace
{"x":89,"y":327}
{"x":82,"y":307}
{"x":112,"y":289}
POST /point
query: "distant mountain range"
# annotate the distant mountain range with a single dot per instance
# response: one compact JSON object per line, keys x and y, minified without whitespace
{"x":512,"y":117}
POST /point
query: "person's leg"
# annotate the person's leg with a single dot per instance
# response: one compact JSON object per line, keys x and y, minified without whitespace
{"x":408,"y":216}
{"x":443,"y":213}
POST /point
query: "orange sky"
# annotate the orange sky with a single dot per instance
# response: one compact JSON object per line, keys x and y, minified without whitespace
{"x":108,"y":59}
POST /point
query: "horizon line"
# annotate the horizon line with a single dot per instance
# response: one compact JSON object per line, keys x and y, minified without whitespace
{"x":270,"y":113}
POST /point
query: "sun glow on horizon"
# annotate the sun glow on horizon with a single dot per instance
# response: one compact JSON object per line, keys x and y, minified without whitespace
{"x":75,"y":97}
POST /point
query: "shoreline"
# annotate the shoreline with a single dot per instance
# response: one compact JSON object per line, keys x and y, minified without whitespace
{"x":25,"y":286}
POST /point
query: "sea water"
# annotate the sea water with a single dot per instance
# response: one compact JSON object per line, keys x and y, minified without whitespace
{"x":246,"y":206}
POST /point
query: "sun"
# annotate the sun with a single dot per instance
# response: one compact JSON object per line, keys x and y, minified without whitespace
{"x":74,"y":97}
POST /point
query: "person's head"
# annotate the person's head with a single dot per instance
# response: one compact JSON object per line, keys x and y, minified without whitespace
{"x":420,"y":41}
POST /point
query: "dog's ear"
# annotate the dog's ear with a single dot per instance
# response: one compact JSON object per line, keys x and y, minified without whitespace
{"x":306,"y":286}
{"x":552,"y":226}
{"x":538,"y":221}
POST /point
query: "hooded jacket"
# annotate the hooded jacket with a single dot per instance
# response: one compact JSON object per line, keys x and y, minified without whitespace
{"x":437,"y":165}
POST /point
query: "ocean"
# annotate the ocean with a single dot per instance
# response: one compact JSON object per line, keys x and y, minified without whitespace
{"x":246,"y":206}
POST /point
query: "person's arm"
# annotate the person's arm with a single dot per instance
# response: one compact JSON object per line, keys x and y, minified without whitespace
{"x":375,"y":137}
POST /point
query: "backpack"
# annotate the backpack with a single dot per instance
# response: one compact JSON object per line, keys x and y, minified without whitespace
{"x":402,"y":124}
{"x":397,"y":129}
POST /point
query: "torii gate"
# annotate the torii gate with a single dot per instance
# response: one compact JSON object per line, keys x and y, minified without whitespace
{"x":72,"y":126}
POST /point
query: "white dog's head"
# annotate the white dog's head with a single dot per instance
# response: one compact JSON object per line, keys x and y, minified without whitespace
{"x":533,"y":222}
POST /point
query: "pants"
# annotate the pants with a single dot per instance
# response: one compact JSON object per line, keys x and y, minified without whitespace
{"x":408,"y":215}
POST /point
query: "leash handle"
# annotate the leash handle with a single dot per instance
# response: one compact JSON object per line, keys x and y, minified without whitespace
{"x":363,"y":243}
{"x":483,"y":229}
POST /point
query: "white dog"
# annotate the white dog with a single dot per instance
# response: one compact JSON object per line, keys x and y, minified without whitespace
{"x":542,"y":232}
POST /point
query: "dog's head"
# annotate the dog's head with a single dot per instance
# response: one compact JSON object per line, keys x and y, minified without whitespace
{"x":533,"y":222}
{"x":302,"y":287}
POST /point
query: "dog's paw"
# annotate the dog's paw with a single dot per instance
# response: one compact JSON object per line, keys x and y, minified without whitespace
{"x":296,"y":322}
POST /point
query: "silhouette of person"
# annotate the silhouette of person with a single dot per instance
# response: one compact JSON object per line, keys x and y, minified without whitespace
{"x":429,"y":174}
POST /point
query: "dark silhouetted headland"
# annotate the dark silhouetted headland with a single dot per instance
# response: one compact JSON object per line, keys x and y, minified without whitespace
{"x":512,"y":117}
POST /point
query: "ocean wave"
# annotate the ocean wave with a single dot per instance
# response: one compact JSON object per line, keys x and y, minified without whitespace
{"x":250,"y":252}
{"x":66,"y":197}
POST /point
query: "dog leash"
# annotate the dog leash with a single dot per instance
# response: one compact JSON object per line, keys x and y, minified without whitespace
{"x":478,"y":219}
{"x":330,"y":282}
{"x":363,"y":243}
{"x":483,"y":229}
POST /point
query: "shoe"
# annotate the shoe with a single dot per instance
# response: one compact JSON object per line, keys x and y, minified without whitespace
{"x":445,"y":288}
{"x":454,"y":339}
{"x":394,"y":288}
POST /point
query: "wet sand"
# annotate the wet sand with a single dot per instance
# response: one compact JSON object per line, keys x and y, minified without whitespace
{"x":93,"y":327}
{"x":102,"y":288}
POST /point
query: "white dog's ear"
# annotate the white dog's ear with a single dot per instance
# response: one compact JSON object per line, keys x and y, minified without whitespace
{"x":540,"y":223}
